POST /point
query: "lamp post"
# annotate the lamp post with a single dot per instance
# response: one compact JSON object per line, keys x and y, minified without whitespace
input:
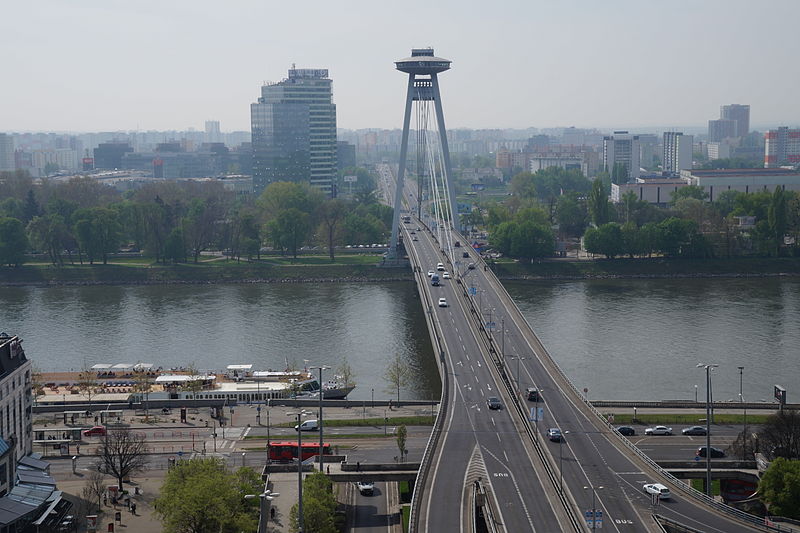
{"x":264,"y":497}
{"x":744,"y":408}
{"x":594,"y":508}
{"x":299,"y":415}
{"x":561,"y":462}
{"x":321,"y":368}
{"x":695,"y":394}
{"x":708,"y":368}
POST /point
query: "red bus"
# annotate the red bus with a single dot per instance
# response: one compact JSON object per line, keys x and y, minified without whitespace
{"x":287,"y":450}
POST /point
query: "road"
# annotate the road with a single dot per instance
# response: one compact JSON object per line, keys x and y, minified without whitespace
{"x":595,"y":468}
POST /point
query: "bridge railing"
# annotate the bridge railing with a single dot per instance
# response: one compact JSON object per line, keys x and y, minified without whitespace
{"x":433,"y":439}
{"x":545,"y":357}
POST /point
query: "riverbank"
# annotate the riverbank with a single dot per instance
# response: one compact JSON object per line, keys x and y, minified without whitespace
{"x":653,"y":268}
{"x":315,"y":269}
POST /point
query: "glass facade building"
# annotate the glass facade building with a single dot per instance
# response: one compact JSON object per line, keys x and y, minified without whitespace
{"x":293,"y":128}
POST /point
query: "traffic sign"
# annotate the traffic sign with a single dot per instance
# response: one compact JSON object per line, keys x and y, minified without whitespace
{"x":490,"y":325}
{"x":473,"y":291}
{"x":537,"y":413}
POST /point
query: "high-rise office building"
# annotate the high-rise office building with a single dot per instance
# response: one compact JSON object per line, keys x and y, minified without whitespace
{"x":294,"y":131}
{"x":721,"y":129}
{"x":740,"y":113}
{"x":677,"y":151}
{"x":7,"y":152}
{"x":781,"y":147}
{"x":622,"y":148}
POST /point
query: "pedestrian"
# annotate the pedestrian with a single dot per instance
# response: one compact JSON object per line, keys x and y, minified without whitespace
{"x":329,"y":469}
{"x":358,"y":466}
{"x":272,"y":513}
{"x":133,"y":508}
{"x":390,"y":404}
{"x":78,"y":448}
{"x":105,"y":499}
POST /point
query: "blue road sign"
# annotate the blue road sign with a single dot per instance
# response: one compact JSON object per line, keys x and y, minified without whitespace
{"x":473,"y":291}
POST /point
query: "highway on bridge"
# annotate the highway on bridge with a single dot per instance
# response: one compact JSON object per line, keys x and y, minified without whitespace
{"x":593,"y":463}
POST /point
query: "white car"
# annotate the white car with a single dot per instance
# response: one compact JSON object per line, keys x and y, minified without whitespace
{"x":657,"y":488}
{"x":430,"y":273}
{"x":365,"y":487}
{"x":446,"y":274}
{"x":440,"y":266}
{"x":442,"y":302}
{"x":658,"y":430}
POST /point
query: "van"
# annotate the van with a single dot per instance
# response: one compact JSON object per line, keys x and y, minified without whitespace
{"x":308,"y":425}
{"x":435,"y":280}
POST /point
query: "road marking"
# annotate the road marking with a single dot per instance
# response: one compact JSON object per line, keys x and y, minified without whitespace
{"x":490,"y":387}
{"x":492,"y":419}
{"x":506,"y":456}
{"x":246,"y":432}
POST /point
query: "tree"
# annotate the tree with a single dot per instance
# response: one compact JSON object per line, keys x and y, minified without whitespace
{"x":98,"y":232}
{"x":776,"y":217}
{"x":331,"y":213}
{"x":345,"y":372}
{"x":522,"y":185}
{"x":319,"y":505}
{"x":530,"y":240}
{"x":677,"y":236}
{"x":94,"y":488}
{"x":605,"y":239}
{"x":122,"y":453}
{"x":31,"y":208}
{"x":13,"y":242}
{"x":571,"y":214}
{"x":619,"y":173}
{"x":690,"y":191}
{"x":87,"y":382}
{"x":397,"y":374}
{"x":199,"y":224}
{"x":201,"y":496}
{"x":402,"y":433}
{"x":49,"y":233}
{"x":779,"y":488}
{"x":175,"y":246}
{"x":598,"y":203}
{"x":780,"y":435}
{"x":289,"y":230}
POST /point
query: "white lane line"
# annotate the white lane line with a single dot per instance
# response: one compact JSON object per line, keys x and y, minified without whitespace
{"x":506,"y":456}
{"x":489,"y":386}
{"x":492,"y":419}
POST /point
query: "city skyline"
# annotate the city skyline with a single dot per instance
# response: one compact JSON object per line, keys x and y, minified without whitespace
{"x":92,"y":67}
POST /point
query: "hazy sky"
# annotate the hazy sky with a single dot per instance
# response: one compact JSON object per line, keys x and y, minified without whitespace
{"x":171,"y":64}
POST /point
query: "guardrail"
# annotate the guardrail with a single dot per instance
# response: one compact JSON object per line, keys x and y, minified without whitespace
{"x":500,"y":366}
{"x":433,"y":439}
{"x":544,"y":356}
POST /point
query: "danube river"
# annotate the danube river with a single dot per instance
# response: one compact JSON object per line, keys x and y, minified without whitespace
{"x":621,"y":339}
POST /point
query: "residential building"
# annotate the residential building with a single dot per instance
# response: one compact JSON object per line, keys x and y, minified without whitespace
{"x":718,"y":150}
{"x":738,"y":113}
{"x":622,"y":148}
{"x":16,"y":400}
{"x":587,"y":161}
{"x":294,"y":131}
{"x":782,"y":147}
{"x":721,"y":129}
{"x":677,"y":153}
{"x":648,"y":150}
{"x":212,"y":132}
{"x":7,"y":152}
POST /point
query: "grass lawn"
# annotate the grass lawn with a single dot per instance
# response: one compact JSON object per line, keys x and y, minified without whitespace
{"x":698,"y":485}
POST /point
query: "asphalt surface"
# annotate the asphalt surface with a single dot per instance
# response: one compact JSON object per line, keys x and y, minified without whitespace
{"x":595,"y":471}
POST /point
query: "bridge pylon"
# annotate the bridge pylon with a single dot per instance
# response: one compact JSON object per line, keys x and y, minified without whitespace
{"x":423,"y":68}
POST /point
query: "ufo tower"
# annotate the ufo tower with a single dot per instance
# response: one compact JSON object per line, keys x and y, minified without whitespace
{"x":423,"y":68}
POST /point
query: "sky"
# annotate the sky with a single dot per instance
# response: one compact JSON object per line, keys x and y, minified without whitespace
{"x":110,"y":65}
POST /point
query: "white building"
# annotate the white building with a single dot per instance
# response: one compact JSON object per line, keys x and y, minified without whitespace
{"x":781,"y":147}
{"x":653,"y":190}
{"x":16,"y":404}
{"x":746,"y":180}
{"x":622,"y":148}
{"x":677,"y":151}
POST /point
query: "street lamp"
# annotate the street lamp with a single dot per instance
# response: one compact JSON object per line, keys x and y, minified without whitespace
{"x":561,"y":461}
{"x":264,"y":497}
{"x":708,"y":368}
{"x":695,"y":394}
{"x":299,"y":415}
{"x":320,"y":368}
{"x":744,"y":408}
{"x":594,"y":509}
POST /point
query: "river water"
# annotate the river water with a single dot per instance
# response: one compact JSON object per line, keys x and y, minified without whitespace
{"x":621,"y":339}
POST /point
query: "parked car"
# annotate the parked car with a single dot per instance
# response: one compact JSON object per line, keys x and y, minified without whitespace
{"x":716,"y":453}
{"x":554,"y":434}
{"x":657,"y":488}
{"x":494,"y":402}
{"x":694,"y":430}
{"x":658,"y":430}
{"x":96,"y":431}
{"x":366,"y":487}
{"x":442,"y":302}
{"x":626,"y":430}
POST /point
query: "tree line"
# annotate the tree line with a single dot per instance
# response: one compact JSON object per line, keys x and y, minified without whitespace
{"x":557,"y":203}
{"x":83,"y":220}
